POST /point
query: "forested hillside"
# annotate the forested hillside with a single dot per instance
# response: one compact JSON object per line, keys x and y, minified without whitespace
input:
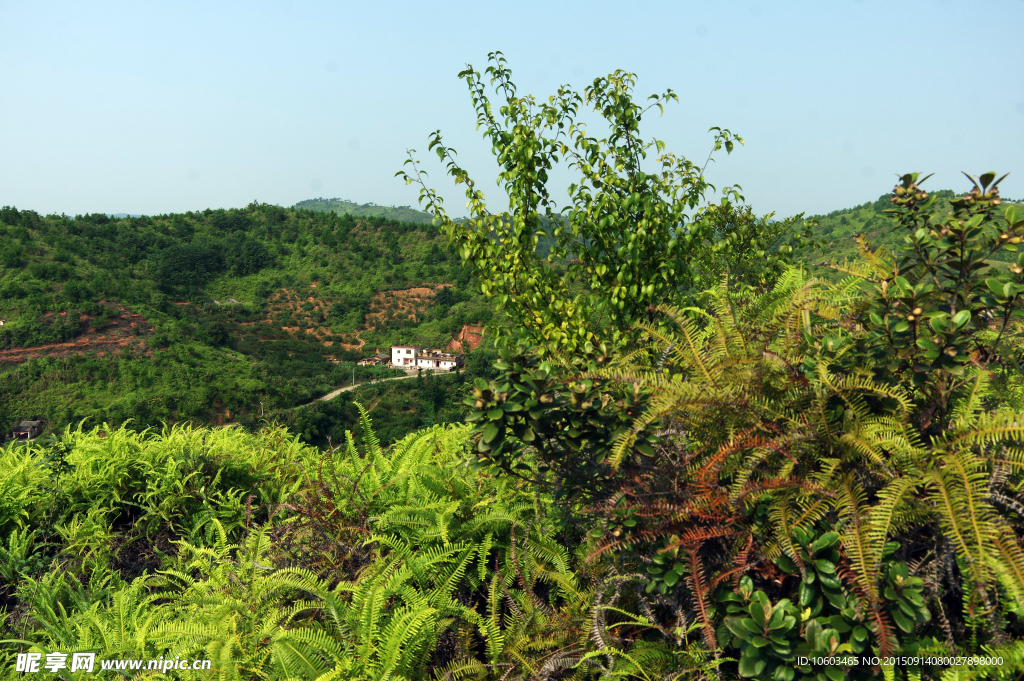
{"x":212,"y":316}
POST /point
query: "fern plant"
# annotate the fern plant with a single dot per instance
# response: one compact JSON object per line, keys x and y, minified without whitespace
{"x":18,"y":557}
{"x":764,"y":446}
{"x":228,"y":606}
{"x":466,"y":578}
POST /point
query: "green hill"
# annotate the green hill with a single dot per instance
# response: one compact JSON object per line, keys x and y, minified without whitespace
{"x":368,"y":210}
{"x":838,"y":230}
{"x":212,"y":316}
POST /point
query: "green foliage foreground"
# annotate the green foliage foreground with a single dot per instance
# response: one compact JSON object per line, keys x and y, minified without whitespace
{"x":278,"y":561}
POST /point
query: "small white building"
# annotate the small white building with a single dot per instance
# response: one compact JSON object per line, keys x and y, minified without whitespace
{"x":438,"y":360}
{"x":403,"y":355}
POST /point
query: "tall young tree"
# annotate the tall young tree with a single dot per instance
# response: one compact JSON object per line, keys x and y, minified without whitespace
{"x":625,"y":242}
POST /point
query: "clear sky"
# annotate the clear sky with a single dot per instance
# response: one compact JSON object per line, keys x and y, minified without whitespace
{"x":153,"y":107}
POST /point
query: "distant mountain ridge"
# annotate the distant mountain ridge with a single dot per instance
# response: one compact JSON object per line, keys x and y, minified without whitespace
{"x":341,"y":206}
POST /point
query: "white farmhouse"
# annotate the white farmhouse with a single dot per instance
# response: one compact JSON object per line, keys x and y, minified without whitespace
{"x":423,"y":358}
{"x":434,"y":359}
{"x":403,"y":355}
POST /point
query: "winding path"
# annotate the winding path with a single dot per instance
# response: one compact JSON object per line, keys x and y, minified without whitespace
{"x":332,"y":395}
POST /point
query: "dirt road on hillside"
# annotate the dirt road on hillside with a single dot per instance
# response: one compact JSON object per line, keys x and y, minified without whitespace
{"x":332,"y":395}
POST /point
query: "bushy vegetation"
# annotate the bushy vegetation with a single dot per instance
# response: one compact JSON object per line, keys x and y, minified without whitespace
{"x":276,"y":560}
{"x":861,"y":435}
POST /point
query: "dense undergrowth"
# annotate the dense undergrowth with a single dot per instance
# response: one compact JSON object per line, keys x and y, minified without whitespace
{"x":743,"y":491}
{"x":277,"y":560}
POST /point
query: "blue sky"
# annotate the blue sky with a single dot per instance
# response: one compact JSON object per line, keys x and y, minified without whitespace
{"x":153,"y":107}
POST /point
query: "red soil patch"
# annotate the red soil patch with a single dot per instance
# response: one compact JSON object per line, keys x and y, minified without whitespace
{"x":412,"y":302}
{"x":286,"y":307}
{"x":470,"y":336}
